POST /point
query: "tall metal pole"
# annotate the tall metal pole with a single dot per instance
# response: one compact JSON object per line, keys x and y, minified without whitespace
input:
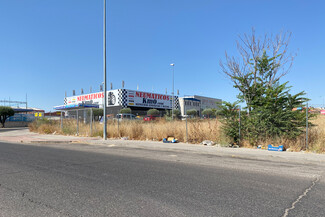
{"x":77,"y":122}
{"x":61,"y":125}
{"x":173,"y":93}
{"x":186,"y":129}
{"x":307,"y":126}
{"x":105,"y":85}
{"x":118,"y":125}
{"x":239,"y":125}
{"x":91,"y":122}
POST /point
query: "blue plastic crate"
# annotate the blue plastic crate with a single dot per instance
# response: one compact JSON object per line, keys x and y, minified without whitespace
{"x":275,"y":148}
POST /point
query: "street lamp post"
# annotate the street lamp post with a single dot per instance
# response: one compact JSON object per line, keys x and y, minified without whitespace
{"x":105,"y":85}
{"x":173,"y":93}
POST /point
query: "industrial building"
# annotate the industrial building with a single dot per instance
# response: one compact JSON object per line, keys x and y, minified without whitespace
{"x":198,"y":103}
{"x":138,"y":101}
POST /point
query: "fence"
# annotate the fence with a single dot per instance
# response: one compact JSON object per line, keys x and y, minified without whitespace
{"x":21,"y":118}
{"x":84,"y":123}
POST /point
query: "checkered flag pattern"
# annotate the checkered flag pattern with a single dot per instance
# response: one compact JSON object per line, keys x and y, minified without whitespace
{"x":176,"y":103}
{"x":122,"y":98}
{"x":65,"y":100}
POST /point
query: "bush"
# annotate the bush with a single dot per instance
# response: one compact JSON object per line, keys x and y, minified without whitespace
{"x":97,"y":113}
{"x":168,"y":115}
{"x":192,"y":112}
{"x":125,"y":111}
{"x":5,"y":112}
{"x":208,"y":112}
{"x":154,"y":112}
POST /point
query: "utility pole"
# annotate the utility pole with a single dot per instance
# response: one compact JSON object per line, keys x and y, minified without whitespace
{"x":105,"y":79}
{"x":173,"y":93}
{"x":239,"y":125}
{"x":307,"y":126}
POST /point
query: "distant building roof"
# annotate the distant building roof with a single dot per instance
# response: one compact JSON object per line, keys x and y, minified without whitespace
{"x":75,"y":106}
{"x":191,"y":99}
{"x":18,"y":110}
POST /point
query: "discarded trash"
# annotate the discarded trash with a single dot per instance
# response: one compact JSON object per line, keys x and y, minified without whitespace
{"x":275,"y":148}
{"x":233,"y":145}
{"x":207,"y":142}
{"x":170,"y":139}
{"x":125,"y":138}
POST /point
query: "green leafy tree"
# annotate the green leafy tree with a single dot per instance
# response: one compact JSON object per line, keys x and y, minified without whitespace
{"x":154,"y":112}
{"x":229,"y":116}
{"x":253,"y":65}
{"x":5,"y":112}
{"x":168,"y":114}
{"x":270,"y":105}
{"x":192,"y":112}
{"x":98,"y":113}
{"x":125,"y":111}
{"x":177,"y":113}
{"x":209,"y":112}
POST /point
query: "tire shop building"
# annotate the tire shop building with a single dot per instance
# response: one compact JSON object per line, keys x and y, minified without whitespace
{"x":138,"y":101}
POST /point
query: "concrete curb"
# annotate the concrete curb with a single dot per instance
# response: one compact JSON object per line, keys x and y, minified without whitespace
{"x":48,"y":142}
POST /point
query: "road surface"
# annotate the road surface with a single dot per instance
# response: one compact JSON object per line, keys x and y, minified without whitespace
{"x":121,"y":180}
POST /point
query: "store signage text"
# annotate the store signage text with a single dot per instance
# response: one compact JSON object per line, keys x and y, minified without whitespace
{"x":90,"y":96}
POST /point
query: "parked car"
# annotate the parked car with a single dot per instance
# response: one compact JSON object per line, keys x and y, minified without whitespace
{"x":149,"y":118}
{"x":121,"y":117}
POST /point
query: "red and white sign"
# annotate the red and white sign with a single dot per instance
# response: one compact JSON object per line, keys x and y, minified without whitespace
{"x":322,"y":112}
{"x":150,"y":100}
{"x":94,"y":98}
{"x":123,"y":97}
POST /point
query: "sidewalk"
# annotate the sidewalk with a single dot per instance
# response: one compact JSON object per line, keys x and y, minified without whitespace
{"x":23,"y":135}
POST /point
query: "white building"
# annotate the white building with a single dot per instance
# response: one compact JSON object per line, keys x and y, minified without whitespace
{"x":198,"y":103}
{"x":139,"y":102}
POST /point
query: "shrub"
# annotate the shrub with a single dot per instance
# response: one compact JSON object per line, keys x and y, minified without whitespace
{"x":192,"y":112}
{"x":125,"y":111}
{"x":5,"y":112}
{"x":153,"y":112}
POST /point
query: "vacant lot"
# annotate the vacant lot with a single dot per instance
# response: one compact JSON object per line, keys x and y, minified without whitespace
{"x":197,"y":131}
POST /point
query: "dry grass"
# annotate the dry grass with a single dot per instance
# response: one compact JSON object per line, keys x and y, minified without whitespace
{"x":198,"y":130}
{"x":316,"y":138}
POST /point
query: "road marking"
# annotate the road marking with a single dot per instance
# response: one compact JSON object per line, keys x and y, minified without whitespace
{"x":286,"y":212}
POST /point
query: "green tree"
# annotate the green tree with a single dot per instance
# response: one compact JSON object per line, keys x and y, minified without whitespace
{"x":98,"y":113}
{"x":253,"y":65}
{"x":270,"y":107}
{"x":154,"y":112}
{"x":125,"y":111}
{"x":192,"y":112}
{"x":229,"y":116}
{"x":5,"y":112}
{"x":168,"y":114}
{"x":177,"y":113}
{"x":209,"y":112}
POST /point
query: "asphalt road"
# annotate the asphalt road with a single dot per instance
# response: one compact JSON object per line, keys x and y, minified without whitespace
{"x":85,"y":180}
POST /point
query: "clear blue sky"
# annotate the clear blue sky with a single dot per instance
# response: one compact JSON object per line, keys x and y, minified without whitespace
{"x":48,"y":47}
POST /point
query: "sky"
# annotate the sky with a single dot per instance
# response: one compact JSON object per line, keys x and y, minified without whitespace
{"x":49,"y":47}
